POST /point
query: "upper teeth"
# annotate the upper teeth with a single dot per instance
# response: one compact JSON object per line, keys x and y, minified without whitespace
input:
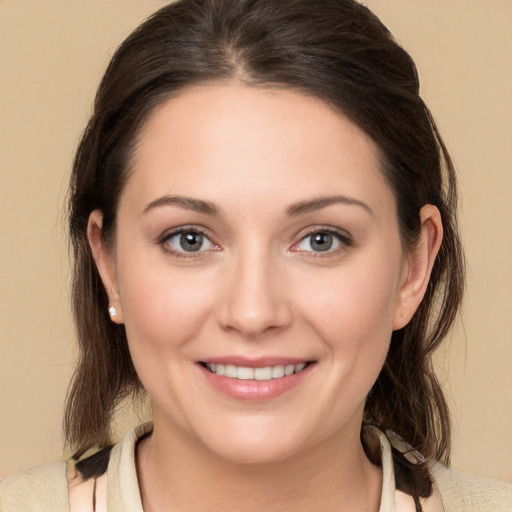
{"x":246,"y":373}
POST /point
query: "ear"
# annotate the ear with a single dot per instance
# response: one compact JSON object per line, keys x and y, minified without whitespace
{"x":104,"y":258}
{"x":418,"y":268}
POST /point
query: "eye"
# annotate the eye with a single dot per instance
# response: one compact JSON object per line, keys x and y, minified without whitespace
{"x":322,"y":241}
{"x":188,"y":241}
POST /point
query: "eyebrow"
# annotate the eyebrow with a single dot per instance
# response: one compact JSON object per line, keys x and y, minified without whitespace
{"x":322,"y":202}
{"x":196,"y":205}
{"x":209,"y":208}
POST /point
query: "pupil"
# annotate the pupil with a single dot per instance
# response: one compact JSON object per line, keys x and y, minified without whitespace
{"x":191,"y":241}
{"x":321,"y":242}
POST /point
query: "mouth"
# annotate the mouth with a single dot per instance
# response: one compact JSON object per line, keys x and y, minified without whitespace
{"x":265,"y":373}
{"x":257,"y":380}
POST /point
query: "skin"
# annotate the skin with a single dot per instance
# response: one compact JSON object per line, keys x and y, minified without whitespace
{"x":258,"y":289}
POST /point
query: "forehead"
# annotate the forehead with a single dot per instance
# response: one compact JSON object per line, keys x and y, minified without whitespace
{"x":266,"y":142}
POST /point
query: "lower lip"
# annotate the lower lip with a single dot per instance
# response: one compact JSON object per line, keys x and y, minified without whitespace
{"x":254,"y":390}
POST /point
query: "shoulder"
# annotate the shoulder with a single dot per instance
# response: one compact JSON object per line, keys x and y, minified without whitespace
{"x":40,"y":488}
{"x":466,"y":492}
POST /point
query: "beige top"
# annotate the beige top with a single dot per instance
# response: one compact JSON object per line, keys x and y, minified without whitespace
{"x":44,"y":488}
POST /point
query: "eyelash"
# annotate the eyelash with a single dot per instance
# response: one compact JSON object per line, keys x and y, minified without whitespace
{"x":344,"y":239}
{"x":164,"y":239}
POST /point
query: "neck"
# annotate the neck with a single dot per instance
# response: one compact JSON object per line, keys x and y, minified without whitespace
{"x":177,"y":473}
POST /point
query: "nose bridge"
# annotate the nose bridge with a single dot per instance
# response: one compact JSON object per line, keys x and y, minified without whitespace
{"x":254,"y":300}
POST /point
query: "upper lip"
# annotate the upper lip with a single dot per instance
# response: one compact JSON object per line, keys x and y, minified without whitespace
{"x":259,"y":362}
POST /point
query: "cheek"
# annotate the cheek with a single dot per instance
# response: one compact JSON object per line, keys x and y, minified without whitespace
{"x":356,"y":306}
{"x":353,"y":315}
{"x":354,"y":321}
{"x":163,"y":307}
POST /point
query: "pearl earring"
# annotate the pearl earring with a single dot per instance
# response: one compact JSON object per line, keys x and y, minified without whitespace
{"x":112,"y":311}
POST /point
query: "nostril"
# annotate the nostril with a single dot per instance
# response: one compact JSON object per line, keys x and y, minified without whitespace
{"x":253,"y":317}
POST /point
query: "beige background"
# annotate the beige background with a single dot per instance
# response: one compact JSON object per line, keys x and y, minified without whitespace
{"x":52,"y":54}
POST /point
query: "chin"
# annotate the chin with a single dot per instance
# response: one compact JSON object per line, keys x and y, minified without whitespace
{"x":252,"y":444}
{"x":252,"y":452}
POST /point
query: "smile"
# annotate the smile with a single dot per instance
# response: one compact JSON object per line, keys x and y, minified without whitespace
{"x":248,"y":373}
{"x":255,"y":381}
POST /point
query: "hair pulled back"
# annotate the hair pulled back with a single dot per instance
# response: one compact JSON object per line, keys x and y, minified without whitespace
{"x":336,"y":50}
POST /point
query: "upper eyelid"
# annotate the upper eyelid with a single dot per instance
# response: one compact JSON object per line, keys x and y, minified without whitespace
{"x":185,"y":229}
{"x":342,"y":233}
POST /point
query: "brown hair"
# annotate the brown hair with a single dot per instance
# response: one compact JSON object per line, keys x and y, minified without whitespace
{"x":336,"y":50}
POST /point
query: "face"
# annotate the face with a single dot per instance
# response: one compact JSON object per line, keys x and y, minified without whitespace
{"x":258,"y":270}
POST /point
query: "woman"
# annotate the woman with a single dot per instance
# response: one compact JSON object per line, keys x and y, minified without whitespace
{"x":263,"y":219}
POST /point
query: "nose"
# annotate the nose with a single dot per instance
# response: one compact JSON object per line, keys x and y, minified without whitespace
{"x":254,"y":299}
